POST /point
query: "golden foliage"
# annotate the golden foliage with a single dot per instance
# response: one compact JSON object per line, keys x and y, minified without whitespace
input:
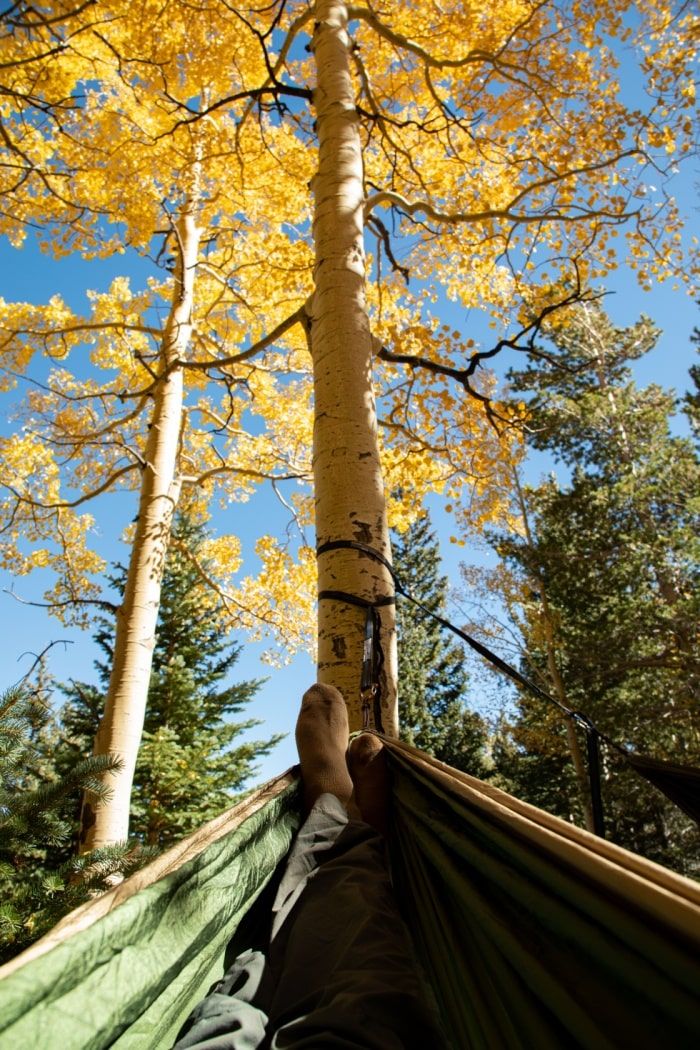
{"x":501,"y":142}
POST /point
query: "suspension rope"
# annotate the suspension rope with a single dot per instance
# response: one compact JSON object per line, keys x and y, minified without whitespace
{"x":582,"y":720}
{"x":373,"y":661}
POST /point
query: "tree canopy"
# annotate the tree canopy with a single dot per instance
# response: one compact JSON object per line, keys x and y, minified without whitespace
{"x":433,"y":712}
{"x":39,"y":878}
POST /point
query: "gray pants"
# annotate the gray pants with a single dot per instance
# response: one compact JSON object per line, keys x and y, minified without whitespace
{"x":339,"y":971}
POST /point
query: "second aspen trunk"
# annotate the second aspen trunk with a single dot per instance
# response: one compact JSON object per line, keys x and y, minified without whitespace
{"x":125,"y":705}
{"x":349,"y":491}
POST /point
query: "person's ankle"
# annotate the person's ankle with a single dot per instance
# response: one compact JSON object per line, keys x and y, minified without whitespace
{"x":322,"y":739}
{"x":370,"y":777}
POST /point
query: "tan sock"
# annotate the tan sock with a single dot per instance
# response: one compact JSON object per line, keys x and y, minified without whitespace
{"x":367,"y":765}
{"x":322,"y":740}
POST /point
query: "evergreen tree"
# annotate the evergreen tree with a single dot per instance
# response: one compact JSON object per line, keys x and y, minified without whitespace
{"x":188,"y":769}
{"x":432,"y":678}
{"x":615,"y":554}
{"x":691,"y":405}
{"x":39,"y":883}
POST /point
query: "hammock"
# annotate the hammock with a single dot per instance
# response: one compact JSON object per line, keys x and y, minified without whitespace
{"x":533,"y":932}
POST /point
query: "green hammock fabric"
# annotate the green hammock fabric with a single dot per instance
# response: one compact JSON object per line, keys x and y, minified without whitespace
{"x":130,"y":979}
{"x":533,"y":933}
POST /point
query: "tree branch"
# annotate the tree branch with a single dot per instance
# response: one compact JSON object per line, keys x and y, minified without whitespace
{"x":298,"y":317}
{"x":102,"y":602}
{"x":226,"y":597}
{"x":38,"y":657}
{"x":463,"y":375}
{"x":364,"y":14}
{"x":66,"y":504}
{"x":392,"y":199}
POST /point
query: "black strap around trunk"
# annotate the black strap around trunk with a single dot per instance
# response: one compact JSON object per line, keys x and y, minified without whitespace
{"x":681,"y":784}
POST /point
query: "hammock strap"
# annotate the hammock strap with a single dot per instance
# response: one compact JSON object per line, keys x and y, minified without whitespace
{"x":478,"y":647}
{"x":681,"y":784}
{"x":372,"y":653}
{"x":593,"y":755}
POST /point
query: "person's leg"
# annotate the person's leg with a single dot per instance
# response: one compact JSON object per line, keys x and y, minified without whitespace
{"x":322,"y":742}
{"x":233,"y":1016}
{"x":227,"y":1018}
{"x":343,"y":968}
{"x":340,"y":971}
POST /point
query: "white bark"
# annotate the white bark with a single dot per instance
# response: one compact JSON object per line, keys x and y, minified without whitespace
{"x":125,"y":705}
{"x":349,"y":490}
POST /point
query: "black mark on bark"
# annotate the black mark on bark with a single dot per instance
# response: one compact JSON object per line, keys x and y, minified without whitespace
{"x":362,"y":532}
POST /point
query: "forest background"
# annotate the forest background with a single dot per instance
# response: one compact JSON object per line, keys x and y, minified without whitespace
{"x":72,"y":279}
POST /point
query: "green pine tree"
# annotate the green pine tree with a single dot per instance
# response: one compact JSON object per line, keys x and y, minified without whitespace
{"x":432,"y":679}
{"x":39,"y":881}
{"x":615,"y":552}
{"x":188,"y":768}
{"x":691,"y":401}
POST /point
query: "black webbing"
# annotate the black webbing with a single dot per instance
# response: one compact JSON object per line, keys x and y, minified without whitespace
{"x":681,"y":784}
{"x":505,"y":668}
{"x":477,"y":646}
{"x":352,"y":599}
{"x":372,"y":661}
{"x":372,"y":652}
{"x":355,"y":545}
{"x":593,"y":755}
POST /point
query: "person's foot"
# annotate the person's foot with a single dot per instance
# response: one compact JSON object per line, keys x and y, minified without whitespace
{"x":367,"y":765}
{"x":322,"y":740}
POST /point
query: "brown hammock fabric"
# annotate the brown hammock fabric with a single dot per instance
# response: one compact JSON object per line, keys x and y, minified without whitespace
{"x":534,"y":932}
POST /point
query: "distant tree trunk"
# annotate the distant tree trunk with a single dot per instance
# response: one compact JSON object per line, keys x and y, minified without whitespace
{"x":575,"y":752}
{"x":125,"y":704}
{"x":349,"y":490}
{"x":577,"y":759}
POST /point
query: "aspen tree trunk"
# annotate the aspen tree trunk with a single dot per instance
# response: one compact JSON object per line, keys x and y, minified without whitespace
{"x":557,"y":680}
{"x":349,"y":491}
{"x":125,"y":705}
